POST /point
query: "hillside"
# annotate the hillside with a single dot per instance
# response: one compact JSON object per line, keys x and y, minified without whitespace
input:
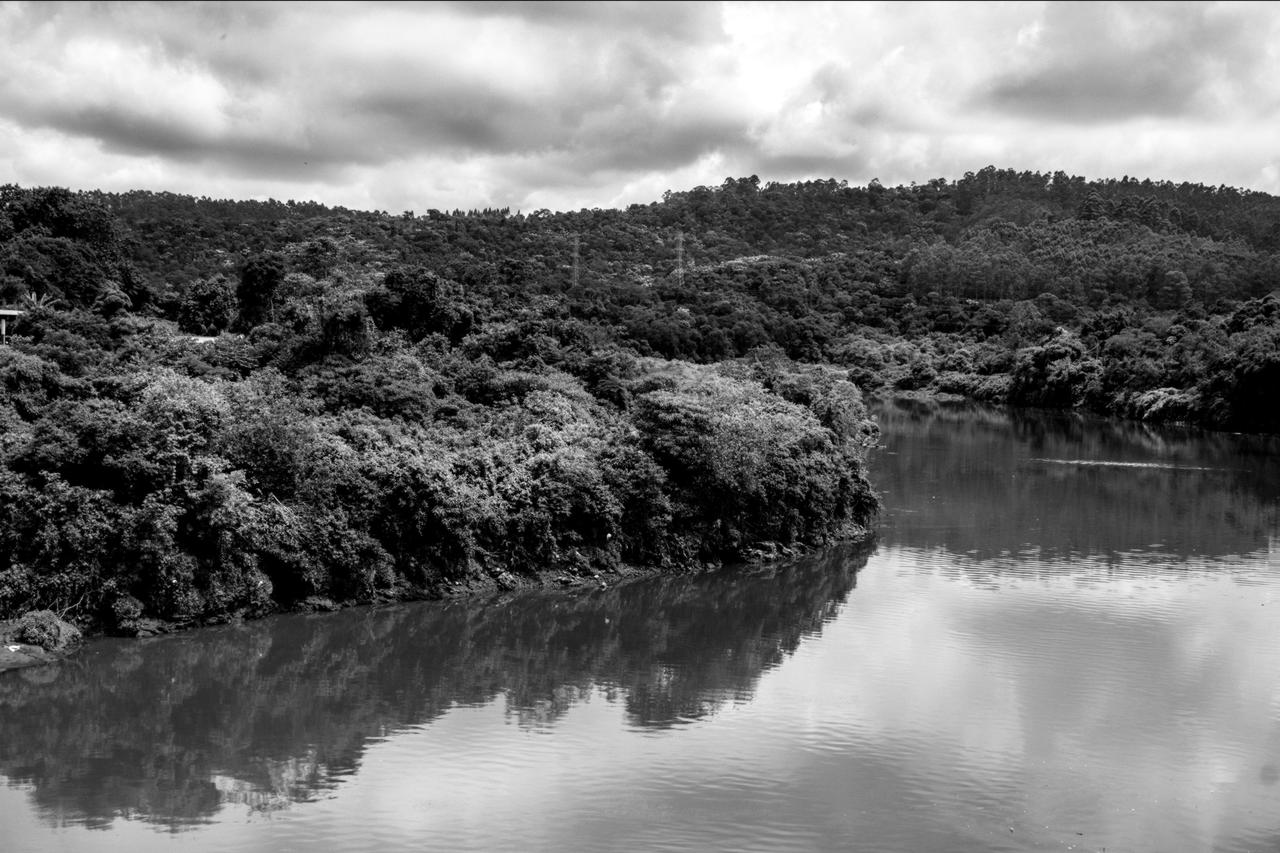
{"x":217,"y":408}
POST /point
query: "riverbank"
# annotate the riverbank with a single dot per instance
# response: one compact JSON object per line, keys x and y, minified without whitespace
{"x":42,"y":637}
{"x":478,"y":586}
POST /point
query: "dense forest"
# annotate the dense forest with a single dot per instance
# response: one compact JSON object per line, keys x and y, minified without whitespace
{"x":217,"y":408}
{"x":324,"y":422}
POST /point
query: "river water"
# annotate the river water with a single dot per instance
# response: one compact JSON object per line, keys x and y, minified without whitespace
{"x":1067,"y":637}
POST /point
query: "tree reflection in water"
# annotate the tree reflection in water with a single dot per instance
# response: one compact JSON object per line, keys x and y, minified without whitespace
{"x":273,"y":712}
{"x":990,"y":484}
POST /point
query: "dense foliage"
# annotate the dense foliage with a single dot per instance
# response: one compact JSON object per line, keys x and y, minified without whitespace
{"x":216,"y":407}
{"x":1140,"y":298}
{"x":324,"y":422}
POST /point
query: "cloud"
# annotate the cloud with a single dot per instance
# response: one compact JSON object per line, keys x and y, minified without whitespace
{"x":280,"y":90}
{"x":669,"y":19}
{"x":445,"y":105}
{"x":1109,"y":62}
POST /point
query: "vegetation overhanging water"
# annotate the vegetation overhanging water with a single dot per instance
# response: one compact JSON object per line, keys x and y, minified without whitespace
{"x":223,"y":409}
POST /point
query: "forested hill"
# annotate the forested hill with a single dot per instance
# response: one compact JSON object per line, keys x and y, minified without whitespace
{"x":1133,"y":297}
{"x":216,"y":407}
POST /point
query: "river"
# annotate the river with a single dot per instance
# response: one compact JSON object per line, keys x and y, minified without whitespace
{"x":1067,"y":637}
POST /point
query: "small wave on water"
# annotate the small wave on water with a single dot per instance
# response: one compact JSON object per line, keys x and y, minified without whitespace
{"x":1104,"y":463}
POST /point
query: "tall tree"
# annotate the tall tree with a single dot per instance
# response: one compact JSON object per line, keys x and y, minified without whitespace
{"x":256,"y":293}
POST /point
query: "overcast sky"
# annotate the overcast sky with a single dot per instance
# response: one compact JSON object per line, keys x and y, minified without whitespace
{"x":566,"y":105}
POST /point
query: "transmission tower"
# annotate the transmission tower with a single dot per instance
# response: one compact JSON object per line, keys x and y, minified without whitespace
{"x":575,"y":260}
{"x":680,"y":257}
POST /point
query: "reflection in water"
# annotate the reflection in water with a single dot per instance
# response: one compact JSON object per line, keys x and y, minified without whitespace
{"x":1068,"y":639}
{"x":987,"y":483}
{"x":269,"y":712}
{"x":1137,"y":708}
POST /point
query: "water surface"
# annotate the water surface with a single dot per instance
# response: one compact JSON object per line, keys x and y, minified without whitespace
{"x":1067,"y":637}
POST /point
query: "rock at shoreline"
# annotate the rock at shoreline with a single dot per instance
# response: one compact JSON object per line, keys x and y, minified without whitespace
{"x":43,"y":628}
{"x":38,"y":637}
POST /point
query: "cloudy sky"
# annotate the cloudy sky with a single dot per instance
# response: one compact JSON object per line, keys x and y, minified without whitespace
{"x":565,"y":105}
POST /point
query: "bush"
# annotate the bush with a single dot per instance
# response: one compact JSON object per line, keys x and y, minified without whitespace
{"x":45,"y":629}
{"x":747,"y":467}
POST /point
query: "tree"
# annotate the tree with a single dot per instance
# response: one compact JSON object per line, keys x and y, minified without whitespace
{"x":112,"y":300}
{"x":344,"y":328}
{"x":208,"y":306}
{"x":1093,"y":207}
{"x":1173,"y":291}
{"x":256,"y":293}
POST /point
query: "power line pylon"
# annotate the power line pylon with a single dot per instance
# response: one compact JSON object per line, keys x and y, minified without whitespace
{"x":680,"y":258}
{"x":576,"y":261}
